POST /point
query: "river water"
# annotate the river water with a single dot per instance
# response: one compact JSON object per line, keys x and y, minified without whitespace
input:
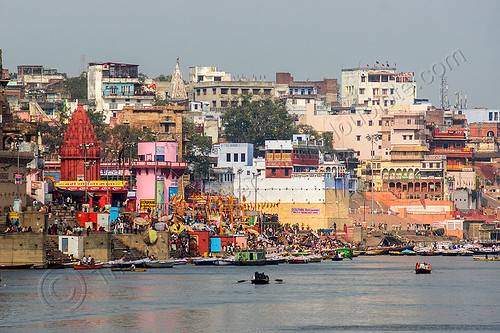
{"x":370,"y":294}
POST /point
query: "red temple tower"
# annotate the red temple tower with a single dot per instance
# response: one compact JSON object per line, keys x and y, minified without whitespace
{"x":80,"y":147}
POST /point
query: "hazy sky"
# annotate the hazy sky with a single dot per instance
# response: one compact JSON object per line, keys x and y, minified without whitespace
{"x":310,"y":39}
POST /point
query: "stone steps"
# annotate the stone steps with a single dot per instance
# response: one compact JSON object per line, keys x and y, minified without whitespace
{"x":119,"y":250}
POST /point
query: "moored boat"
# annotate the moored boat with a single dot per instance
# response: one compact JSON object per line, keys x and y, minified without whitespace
{"x":423,"y":268}
{"x":487,"y":259}
{"x":128,"y":269}
{"x":166,"y":263}
{"x":18,"y":266}
{"x":180,"y":262}
{"x":224,"y":262}
{"x":95,"y":266}
{"x":204,"y":261}
{"x":298,"y":260}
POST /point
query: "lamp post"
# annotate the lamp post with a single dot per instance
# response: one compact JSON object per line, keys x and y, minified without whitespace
{"x":372,"y":138}
{"x":256,"y":175}
{"x":18,"y":143}
{"x":85,"y":147}
{"x":239,"y":184}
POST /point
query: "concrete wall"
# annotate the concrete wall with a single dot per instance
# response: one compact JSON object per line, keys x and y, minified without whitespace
{"x":22,"y":248}
{"x":35,"y":220}
{"x":160,"y":250}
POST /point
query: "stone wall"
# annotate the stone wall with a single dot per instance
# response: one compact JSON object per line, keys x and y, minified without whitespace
{"x":160,"y":250}
{"x":22,"y":248}
{"x":98,"y":245}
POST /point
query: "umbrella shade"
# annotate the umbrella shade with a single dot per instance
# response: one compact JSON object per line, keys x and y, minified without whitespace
{"x":141,"y":221}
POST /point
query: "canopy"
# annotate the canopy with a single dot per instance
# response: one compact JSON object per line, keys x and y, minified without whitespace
{"x":141,"y":221}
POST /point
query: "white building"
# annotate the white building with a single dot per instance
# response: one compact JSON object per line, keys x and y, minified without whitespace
{"x":207,"y":74}
{"x":377,"y":88}
{"x":115,"y":85}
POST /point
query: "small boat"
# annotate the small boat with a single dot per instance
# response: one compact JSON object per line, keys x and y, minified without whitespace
{"x":128,"y":269}
{"x":19,"y":266}
{"x":95,"y":266}
{"x":298,"y":260}
{"x":487,"y":259}
{"x":167,"y":263}
{"x":423,"y":268}
{"x":224,"y":262}
{"x":204,"y":261}
{"x":338,"y":257}
{"x":180,"y":262}
{"x":314,"y":258}
{"x":260,"y":278}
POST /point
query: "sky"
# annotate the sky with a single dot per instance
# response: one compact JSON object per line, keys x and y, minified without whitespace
{"x":311,"y":40}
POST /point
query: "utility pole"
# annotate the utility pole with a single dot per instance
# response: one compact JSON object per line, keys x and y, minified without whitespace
{"x":372,"y":138}
{"x":85,"y":147}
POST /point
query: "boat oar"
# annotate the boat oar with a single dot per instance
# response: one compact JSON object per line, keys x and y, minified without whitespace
{"x":278,"y":280}
{"x":240,"y":281}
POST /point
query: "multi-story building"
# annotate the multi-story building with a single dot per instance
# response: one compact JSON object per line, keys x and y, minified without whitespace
{"x":484,"y":138}
{"x":158,"y":174}
{"x":116,"y":85}
{"x":166,"y":120}
{"x":284,"y":157}
{"x":207,"y":74}
{"x":325,"y":90}
{"x":377,"y":88}
{"x":479,"y":115}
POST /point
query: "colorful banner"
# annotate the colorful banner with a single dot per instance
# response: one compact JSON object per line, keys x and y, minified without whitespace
{"x":147,"y":204}
{"x":96,"y":185}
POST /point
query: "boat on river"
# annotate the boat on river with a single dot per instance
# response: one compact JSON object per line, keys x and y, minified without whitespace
{"x":128,"y":269}
{"x":423,"y":268}
{"x":260,"y":278}
{"x":95,"y":266}
{"x":204,"y":261}
{"x":298,"y":260}
{"x":250,"y":257}
{"x":19,"y":266}
{"x":166,"y":263}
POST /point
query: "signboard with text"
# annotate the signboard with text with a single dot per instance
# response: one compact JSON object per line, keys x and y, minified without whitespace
{"x":306,"y":211}
{"x":97,"y":185}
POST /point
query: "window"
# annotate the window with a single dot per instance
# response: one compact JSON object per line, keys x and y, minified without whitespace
{"x":361,"y":91}
{"x":214,"y":104}
{"x":358,"y":137}
{"x":224,"y":104}
{"x":358,"y":123}
{"x":204,"y":91}
{"x":256,"y":91}
{"x":496,"y":116}
{"x":217,"y":78}
{"x":392,"y":91}
{"x":198,"y":92}
{"x":273,"y":171}
{"x":243,"y":157}
{"x":408,"y":121}
{"x":113,"y":106}
{"x":370,"y":123}
{"x":491,"y":116}
{"x":384,"y":91}
{"x":385,"y":103}
{"x":363,"y":78}
{"x":430,"y":165}
{"x":376,"y":91}
{"x":214,"y":91}
{"x":423,"y":165}
{"x":224,"y":91}
{"x":113,"y":90}
{"x":126,"y":90}
{"x":410,"y":137}
{"x":393,"y":102}
{"x":445,"y":145}
{"x":228,"y":157}
{"x":380,"y":122}
{"x":235,"y":157}
{"x":287,"y":172}
{"x":234,"y":91}
{"x":404,"y":137}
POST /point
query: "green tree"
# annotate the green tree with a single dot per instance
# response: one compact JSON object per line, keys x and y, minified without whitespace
{"x":142,"y":77}
{"x":198,"y":148}
{"x":326,"y":137}
{"x":257,"y":121}
{"x":164,"y":78}
{"x":77,"y":86}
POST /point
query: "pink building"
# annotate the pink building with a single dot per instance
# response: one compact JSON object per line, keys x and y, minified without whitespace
{"x":168,"y":173}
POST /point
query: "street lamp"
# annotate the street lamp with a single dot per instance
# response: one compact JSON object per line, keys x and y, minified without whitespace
{"x":85,"y":147}
{"x":373,"y":138}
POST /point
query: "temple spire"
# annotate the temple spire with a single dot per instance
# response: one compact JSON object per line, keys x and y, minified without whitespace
{"x":178,"y":91}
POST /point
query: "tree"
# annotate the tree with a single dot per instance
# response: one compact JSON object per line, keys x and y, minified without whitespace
{"x":142,"y":77}
{"x":257,"y":121}
{"x":164,"y":78}
{"x":326,"y":137}
{"x":77,"y":86}
{"x":198,"y":148}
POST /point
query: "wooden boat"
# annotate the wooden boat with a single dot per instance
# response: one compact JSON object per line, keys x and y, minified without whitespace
{"x":423,"y":268}
{"x":260,"y":278}
{"x":19,"y":266}
{"x":128,"y":269}
{"x":338,"y":257}
{"x":487,"y":259}
{"x":180,"y":262}
{"x":224,"y":262}
{"x":167,"y":263}
{"x":59,"y":265}
{"x":314,"y":258}
{"x":250,"y":257}
{"x":95,"y":266}
{"x":204,"y":261}
{"x":298,"y":260}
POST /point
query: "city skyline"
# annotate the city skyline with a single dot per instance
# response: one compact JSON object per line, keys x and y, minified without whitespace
{"x":258,"y":39}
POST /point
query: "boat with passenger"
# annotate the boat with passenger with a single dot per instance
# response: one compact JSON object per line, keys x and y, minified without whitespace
{"x":422,"y":268}
{"x":165,"y":263}
{"x":260,"y":278}
{"x":94,"y":266}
